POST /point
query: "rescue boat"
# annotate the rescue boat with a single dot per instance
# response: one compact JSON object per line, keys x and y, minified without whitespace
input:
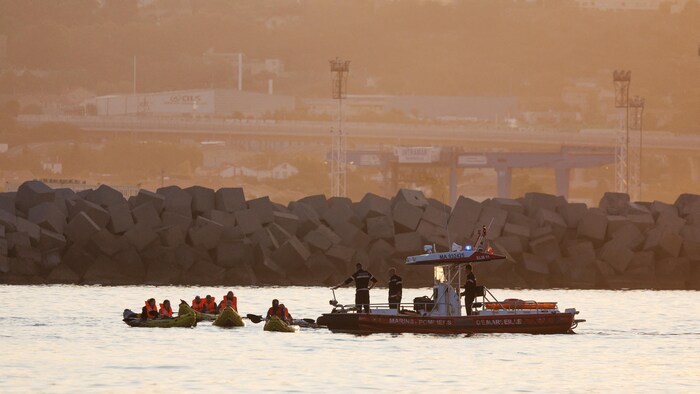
{"x":443,"y":312}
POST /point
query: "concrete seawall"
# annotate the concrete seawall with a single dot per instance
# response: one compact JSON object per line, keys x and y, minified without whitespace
{"x":217,"y":237}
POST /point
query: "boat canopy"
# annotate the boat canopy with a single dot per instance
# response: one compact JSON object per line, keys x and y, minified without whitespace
{"x":449,"y":258}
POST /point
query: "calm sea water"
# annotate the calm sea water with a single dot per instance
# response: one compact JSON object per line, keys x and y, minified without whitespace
{"x":72,"y":339}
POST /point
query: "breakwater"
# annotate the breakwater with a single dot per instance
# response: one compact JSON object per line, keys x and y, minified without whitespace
{"x":198,"y":235}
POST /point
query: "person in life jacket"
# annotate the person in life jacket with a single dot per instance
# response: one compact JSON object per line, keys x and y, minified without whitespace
{"x":165,"y":309}
{"x":229,"y":297}
{"x":278,"y":310}
{"x":197,"y":304}
{"x":150,"y":310}
{"x":209,"y":305}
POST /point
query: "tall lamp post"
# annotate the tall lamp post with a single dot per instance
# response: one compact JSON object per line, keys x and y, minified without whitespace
{"x":636,"y":108}
{"x":339,"y":81}
{"x":622,"y":79}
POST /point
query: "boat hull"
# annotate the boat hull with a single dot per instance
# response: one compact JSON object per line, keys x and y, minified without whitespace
{"x":542,"y":323}
{"x":229,"y":318}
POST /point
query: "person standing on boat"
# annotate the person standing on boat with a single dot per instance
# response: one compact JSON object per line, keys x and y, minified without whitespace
{"x":362,"y":280}
{"x":469,"y":289}
{"x":395,"y":289}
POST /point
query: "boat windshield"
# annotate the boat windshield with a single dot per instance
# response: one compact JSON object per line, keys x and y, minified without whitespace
{"x":440,"y":274}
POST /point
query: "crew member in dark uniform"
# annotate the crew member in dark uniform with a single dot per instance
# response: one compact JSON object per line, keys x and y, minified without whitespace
{"x":469,"y":289}
{"x":362,"y":280}
{"x":395,"y":289}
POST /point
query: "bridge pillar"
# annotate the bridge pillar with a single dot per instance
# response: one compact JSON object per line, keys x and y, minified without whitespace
{"x":561,"y":178}
{"x":505,"y":179}
{"x":453,"y":181}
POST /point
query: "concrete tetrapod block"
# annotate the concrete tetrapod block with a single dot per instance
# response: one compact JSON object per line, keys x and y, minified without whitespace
{"x":318,"y":202}
{"x":105,"y":196}
{"x":230,"y":199}
{"x":32,"y":193}
{"x":7,"y":203}
{"x":248,"y":221}
{"x":669,"y":220}
{"x":352,"y":236}
{"x":263,"y":209}
{"x":141,"y":235}
{"x":4,"y":248}
{"x":380,"y":250}
{"x":205,"y":233}
{"x":546,"y":248}
{"x":617,"y":255}
{"x":203,"y":199}
{"x":657,"y":207}
{"x":691,"y":250}
{"x":507,"y":204}
{"x":642,"y":265}
{"x":278,"y":234}
{"x":204,"y":272}
{"x":629,"y":236}
{"x":50,"y":259}
{"x":415,"y":198}
{"x":436,"y":216}
{"x":226,"y":219}
{"x":47,"y":215}
{"x":120,"y":219}
{"x":674,"y":268}
{"x":292,"y":255}
{"x":321,"y":269}
{"x":19,"y":238}
{"x":144,"y":197}
{"x":305,"y":212}
{"x":330,"y":234}
{"x":593,"y":226}
{"x":684,"y":201}
{"x":338,"y":214}
{"x":106,"y":242}
{"x":639,"y":207}
{"x":340,"y":252}
{"x":78,"y":259}
{"x":664,"y":242}
{"x":162,"y":271}
{"x":317,"y":241}
{"x":98,"y":214}
{"x":522,"y":232}
{"x":81,"y":228}
{"x":466,"y":210}
{"x":373,"y":205}
{"x":644,"y":222}
{"x":147,"y":215}
{"x":614,"y":203}
{"x":572,"y":213}
{"x":406,"y":216}
{"x":408,"y":243}
{"x":262,"y":238}
{"x":62,"y":274}
{"x":534,"y":201}
{"x":535,"y":264}
{"x":8,"y":221}
{"x":691,"y":233}
{"x":615,"y":222}
{"x":50,"y":240}
{"x":545,"y":217}
{"x":183,"y":222}
{"x":171,"y":236}
{"x":380,"y":227}
{"x":288,"y":221}
{"x":234,"y":254}
{"x":177,"y":200}
{"x":511,"y":245}
{"x":33,"y":230}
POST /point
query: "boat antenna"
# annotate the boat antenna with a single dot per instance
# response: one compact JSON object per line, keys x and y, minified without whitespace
{"x":482,"y":236}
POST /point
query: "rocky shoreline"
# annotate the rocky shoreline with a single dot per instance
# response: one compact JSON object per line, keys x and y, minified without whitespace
{"x":200,"y":236}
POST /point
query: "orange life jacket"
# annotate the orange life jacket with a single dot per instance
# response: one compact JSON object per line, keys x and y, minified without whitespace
{"x":234,"y":303}
{"x":211,"y":306}
{"x":281,"y":312}
{"x":165,"y":312}
{"x":150,"y":311}
{"x":198,"y":307}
